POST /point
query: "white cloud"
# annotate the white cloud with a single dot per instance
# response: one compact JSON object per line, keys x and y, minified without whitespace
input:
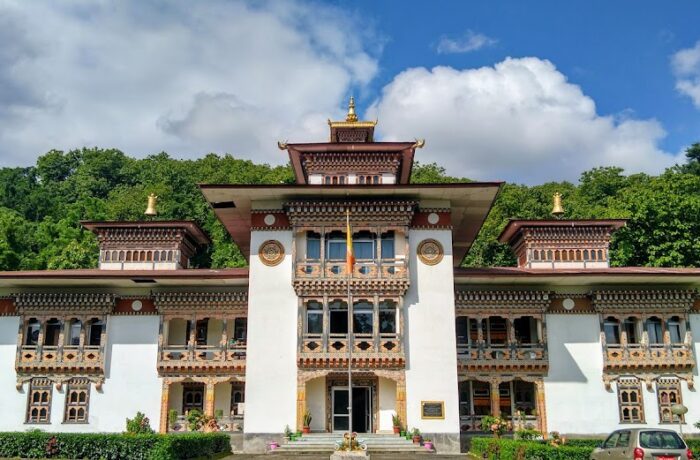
{"x":686,"y":67}
{"x":471,"y":41}
{"x":185,"y":77}
{"x":519,"y":120}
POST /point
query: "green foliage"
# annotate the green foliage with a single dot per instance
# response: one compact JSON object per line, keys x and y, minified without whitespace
{"x":195,"y":419}
{"x":497,"y":449}
{"x":38,"y":444}
{"x":41,"y":206}
{"x":172,"y":417}
{"x":528,"y":434}
{"x":138,"y":425}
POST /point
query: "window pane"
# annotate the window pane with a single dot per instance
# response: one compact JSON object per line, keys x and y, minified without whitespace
{"x":654,"y":331}
{"x":240,"y":327}
{"x":336,"y":250}
{"x":313,"y":248}
{"x":612,"y":333}
{"x":339,"y":321}
{"x":387,"y":321}
{"x":363,"y":249}
{"x":362,"y":322}
{"x":462,"y":330}
{"x":314,"y":322}
{"x":388,"y":251}
{"x":675,"y":331}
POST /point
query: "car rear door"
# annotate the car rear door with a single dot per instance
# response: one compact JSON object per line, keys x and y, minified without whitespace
{"x":623,"y":447}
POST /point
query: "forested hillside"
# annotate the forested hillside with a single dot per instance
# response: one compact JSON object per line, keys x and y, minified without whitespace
{"x":41,"y":206}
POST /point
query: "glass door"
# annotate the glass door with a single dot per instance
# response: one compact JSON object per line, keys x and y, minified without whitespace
{"x":341,"y":417}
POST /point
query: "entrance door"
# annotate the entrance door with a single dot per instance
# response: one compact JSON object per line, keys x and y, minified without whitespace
{"x":361,"y":409}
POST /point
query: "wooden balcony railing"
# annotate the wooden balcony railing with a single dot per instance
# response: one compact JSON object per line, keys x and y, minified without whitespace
{"x":175,"y":358}
{"x":385,"y":350}
{"x":363,"y":269}
{"x":656,"y":356}
{"x":512,"y":356}
{"x":59,"y":359}
{"x":472,"y":423}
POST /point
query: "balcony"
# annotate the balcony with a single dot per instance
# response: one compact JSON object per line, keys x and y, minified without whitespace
{"x":60,"y":359}
{"x":203,"y":358}
{"x":362,"y":270}
{"x":514,"y":356}
{"x":677,"y":356}
{"x":369,"y":351}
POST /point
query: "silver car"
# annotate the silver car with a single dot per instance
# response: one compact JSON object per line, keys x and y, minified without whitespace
{"x":643,"y":444}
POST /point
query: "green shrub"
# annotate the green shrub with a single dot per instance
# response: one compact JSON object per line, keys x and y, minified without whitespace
{"x":508,"y":449}
{"x":97,"y":446}
{"x":694,"y":445}
{"x":139,"y":424}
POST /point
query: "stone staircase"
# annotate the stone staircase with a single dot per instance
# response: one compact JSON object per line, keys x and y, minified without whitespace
{"x":325,"y":443}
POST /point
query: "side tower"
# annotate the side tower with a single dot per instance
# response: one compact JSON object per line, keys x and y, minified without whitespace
{"x":390,"y":319}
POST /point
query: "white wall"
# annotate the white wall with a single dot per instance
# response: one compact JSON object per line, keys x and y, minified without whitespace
{"x":387,"y":404}
{"x":131,"y":383}
{"x":12,"y":402}
{"x":271,"y":369}
{"x":576,"y":368}
{"x":431,"y":370}
{"x":316,"y":403}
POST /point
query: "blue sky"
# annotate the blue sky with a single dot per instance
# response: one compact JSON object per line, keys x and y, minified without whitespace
{"x":522,"y":91}
{"x":617,"y":51}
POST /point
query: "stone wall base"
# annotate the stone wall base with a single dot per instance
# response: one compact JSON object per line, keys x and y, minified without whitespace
{"x":444,"y":443}
{"x":257,"y":443}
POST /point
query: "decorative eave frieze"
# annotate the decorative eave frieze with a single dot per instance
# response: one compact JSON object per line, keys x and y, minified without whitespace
{"x":486,"y":301}
{"x":565,"y":234}
{"x":344,"y":162}
{"x":369,"y":212}
{"x":339,"y":287}
{"x":661,"y":300}
{"x":67,"y":302}
{"x":169,"y":301}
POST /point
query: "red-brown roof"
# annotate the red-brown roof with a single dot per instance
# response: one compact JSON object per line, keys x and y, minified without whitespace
{"x":407,"y":149}
{"x":470,"y":203}
{"x":515,"y":225}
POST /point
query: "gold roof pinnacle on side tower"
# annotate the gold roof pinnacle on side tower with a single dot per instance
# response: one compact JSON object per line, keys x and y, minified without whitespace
{"x":557,"y":209}
{"x":151,"y":208}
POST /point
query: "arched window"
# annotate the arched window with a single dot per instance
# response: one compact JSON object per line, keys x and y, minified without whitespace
{"x":338,"y":310}
{"x":31,"y":336}
{"x":655,"y":330}
{"x":128,"y":256}
{"x":675,"y":330}
{"x":73,"y":332}
{"x":363,"y":317}
{"x":611,"y":327}
{"x":94,"y":332}
{"x":53,"y":329}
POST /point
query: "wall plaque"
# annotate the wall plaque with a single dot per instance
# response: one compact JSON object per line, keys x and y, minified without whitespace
{"x":432,"y":409}
{"x":430,"y":252}
{"x":271,"y":252}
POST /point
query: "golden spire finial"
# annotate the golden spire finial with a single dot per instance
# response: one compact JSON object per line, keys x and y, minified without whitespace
{"x":557,"y":209}
{"x":352,"y":116}
{"x":151,"y":208}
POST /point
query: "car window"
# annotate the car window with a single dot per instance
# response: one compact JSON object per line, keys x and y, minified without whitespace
{"x":624,"y":439}
{"x":660,"y":440}
{"x":612,"y":439}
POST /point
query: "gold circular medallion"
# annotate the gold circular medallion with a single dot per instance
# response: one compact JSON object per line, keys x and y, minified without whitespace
{"x":271,"y":252}
{"x":430,"y":252}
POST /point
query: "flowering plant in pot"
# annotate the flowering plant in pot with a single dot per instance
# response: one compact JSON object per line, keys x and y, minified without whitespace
{"x":307,"y":422}
{"x":397,"y":423}
{"x":428,"y":444}
{"x":496,"y":425}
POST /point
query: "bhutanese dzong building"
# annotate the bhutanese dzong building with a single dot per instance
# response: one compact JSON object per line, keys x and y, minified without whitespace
{"x":563,"y":339}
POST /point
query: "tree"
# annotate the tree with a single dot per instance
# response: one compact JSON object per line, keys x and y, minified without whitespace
{"x":692,"y":155}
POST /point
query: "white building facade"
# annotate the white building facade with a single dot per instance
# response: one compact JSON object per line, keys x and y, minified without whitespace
{"x":563,"y":342}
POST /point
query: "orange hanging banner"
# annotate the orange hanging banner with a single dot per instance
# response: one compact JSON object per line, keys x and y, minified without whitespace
{"x":350,"y":256}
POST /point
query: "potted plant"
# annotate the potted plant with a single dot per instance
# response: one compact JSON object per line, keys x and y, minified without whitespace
{"x":306,"y":422}
{"x":416,"y":436}
{"x":402,"y":433}
{"x":397,"y":423}
{"x":287,"y":433}
{"x":172,"y":418}
{"x":218,"y":413}
{"x":496,"y":425}
{"x":409,"y":434}
{"x":428,"y":444}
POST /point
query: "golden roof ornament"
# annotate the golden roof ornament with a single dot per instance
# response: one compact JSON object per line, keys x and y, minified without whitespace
{"x":151,"y":208}
{"x":557,"y":209}
{"x":419,"y":144}
{"x":352,"y":116}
